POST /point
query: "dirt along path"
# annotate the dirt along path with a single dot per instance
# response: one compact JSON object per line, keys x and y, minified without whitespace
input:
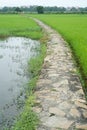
{"x":60,"y":99}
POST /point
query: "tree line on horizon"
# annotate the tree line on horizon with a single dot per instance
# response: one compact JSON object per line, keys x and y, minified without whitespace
{"x":41,"y":9}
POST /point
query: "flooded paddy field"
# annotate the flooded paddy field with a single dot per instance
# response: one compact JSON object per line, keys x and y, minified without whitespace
{"x":15,"y":53}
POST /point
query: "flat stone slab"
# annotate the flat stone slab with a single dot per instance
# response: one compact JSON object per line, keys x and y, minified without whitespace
{"x":81,"y":105}
{"x":85,"y":114}
{"x":56,"y":111}
{"x":64,"y":105}
{"x":58,"y":122}
{"x":81,"y":126}
{"x":75,"y":113}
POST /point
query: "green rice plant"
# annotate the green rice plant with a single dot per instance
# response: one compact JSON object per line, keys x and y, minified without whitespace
{"x":19,"y":25}
{"x":73,"y":28}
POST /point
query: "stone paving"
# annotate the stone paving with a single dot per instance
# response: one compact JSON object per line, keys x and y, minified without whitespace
{"x":60,"y":101}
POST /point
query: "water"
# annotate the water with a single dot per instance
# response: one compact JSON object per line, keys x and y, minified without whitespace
{"x":15,"y":53}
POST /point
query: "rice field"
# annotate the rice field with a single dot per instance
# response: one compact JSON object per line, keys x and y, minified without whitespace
{"x":73,"y":29}
{"x":18,"y":25}
{"x":22,"y":26}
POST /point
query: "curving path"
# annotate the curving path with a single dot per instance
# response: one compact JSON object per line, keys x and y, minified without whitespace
{"x":60,"y":101}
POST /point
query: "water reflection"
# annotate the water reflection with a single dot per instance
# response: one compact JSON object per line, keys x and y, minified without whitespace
{"x":14,"y":54}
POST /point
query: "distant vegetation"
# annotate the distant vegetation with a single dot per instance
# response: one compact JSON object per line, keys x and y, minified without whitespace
{"x":33,"y":9}
{"x":40,"y":9}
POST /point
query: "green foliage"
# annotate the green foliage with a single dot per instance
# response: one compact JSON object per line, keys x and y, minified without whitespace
{"x":19,"y":25}
{"x":31,"y":85}
{"x":35,"y":64}
{"x":17,"y":9}
{"x":47,"y":9}
{"x":28,"y":121}
{"x":40,"y":9}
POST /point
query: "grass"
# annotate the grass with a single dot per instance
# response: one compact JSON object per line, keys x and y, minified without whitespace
{"x":35,"y":64}
{"x":73,"y":28}
{"x":28,"y":120}
{"x":20,"y":25}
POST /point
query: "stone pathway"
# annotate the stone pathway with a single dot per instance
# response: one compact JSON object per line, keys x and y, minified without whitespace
{"x":60,"y":101}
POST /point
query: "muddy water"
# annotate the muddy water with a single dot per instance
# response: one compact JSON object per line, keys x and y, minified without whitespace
{"x":15,"y":53}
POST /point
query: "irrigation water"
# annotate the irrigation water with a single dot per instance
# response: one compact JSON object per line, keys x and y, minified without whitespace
{"x":15,"y":53}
